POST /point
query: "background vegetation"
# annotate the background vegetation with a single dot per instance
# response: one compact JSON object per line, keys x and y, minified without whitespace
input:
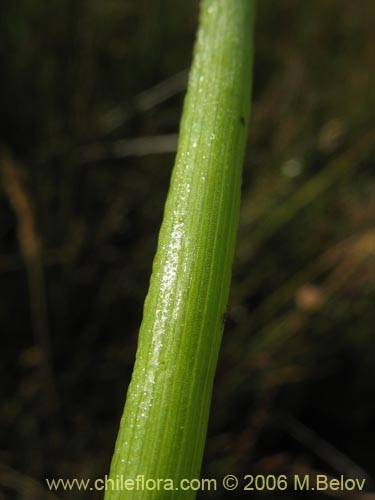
{"x":90,"y":99}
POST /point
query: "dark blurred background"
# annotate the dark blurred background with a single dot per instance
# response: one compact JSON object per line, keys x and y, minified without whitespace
{"x":91,"y":95}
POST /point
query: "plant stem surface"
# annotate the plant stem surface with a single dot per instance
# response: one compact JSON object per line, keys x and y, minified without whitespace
{"x":163,"y":427}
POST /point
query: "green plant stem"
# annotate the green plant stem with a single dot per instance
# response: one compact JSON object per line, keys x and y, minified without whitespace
{"x":163,"y":428}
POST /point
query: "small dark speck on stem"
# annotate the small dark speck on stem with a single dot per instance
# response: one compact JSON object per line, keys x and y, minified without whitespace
{"x":242,"y":120}
{"x":224,"y":317}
